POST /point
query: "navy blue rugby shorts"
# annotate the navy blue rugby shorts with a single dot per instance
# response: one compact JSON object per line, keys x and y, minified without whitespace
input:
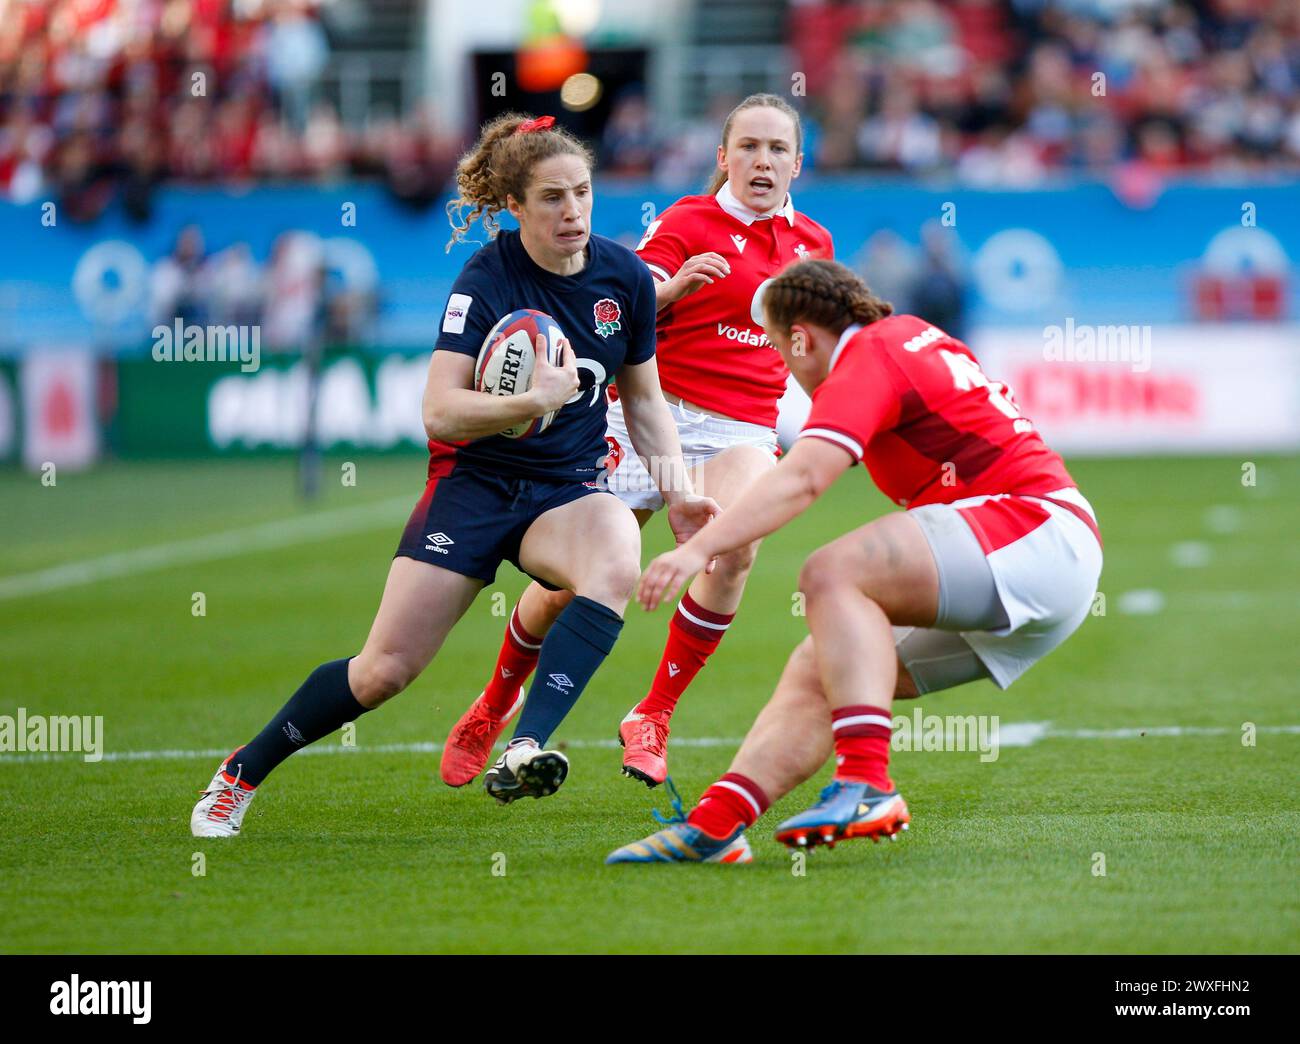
{"x":470,"y":520}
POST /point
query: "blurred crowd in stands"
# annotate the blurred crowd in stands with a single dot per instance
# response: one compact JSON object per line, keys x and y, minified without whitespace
{"x":98,"y":96}
{"x":105,"y":96}
{"x":1013,"y":91}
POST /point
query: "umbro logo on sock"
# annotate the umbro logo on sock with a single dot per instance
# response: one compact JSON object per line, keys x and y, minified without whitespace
{"x":673,"y":669}
{"x":561,"y":682}
{"x":438,"y":542}
{"x":295,"y":737}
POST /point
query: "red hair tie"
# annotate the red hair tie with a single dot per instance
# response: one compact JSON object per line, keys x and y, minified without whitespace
{"x":541,"y":123}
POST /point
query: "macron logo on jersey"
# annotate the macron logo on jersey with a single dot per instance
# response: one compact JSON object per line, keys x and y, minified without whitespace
{"x":453,"y":319}
{"x":740,"y":242}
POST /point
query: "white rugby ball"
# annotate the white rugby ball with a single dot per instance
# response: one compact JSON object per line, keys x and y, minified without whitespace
{"x":508,"y":357}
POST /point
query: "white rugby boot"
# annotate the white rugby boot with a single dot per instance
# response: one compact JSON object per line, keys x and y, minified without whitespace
{"x":525,"y":770}
{"x":220,"y":811}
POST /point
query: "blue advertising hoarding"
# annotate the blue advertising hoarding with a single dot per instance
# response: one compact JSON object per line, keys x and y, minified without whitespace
{"x":1027,"y":258}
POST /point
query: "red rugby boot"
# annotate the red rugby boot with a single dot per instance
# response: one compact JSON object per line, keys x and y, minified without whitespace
{"x":645,"y":742}
{"x":469,"y":746}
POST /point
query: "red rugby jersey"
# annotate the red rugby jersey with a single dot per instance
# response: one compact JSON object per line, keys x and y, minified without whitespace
{"x":913,"y":405}
{"x":711,"y":347}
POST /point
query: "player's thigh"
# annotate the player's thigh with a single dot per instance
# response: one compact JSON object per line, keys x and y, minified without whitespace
{"x":724,"y":478}
{"x":889,"y":560}
{"x":727,"y":475}
{"x":542,"y":605}
{"x":591,"y":544}
{"x":420,"y":605}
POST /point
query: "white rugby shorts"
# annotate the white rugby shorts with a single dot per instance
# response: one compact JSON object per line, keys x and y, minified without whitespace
{"x":702,"y":436}
{"x":1044,"y":578}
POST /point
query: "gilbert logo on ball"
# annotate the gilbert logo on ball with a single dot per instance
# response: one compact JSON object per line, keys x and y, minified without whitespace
{"x":508,"y":357}
{"x":607,"y":316}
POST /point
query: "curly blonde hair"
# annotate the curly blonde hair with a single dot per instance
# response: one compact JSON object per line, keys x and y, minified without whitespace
{"x":825,"y":293}
{"x":501,"y":164}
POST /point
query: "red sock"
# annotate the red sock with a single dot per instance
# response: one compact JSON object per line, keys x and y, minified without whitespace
{"x":693,"y":633}
{"x":519,"y":652}
{"x":732,"y":800}
{"x":862,"y":745}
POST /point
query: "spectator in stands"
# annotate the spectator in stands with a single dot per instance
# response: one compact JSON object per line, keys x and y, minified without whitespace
{"x":178,"y":286}
{"x":1010,"y":90}
{"x":629,"y":145}
{"x":296,"y":54}
{"x":938,"y":289}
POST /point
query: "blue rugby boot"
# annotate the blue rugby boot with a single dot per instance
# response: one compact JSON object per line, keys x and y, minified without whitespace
{"x":847,"y":810}
{"x":679,"y":842}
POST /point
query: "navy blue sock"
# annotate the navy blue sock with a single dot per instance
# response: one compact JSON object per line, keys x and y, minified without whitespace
{"x":578,"y":642}
{"x":323,"y":703}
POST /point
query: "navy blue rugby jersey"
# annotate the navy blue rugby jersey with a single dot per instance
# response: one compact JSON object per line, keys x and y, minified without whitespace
{"x":607,"y":311}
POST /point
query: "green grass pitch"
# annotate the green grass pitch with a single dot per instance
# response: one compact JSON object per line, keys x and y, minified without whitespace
{"x":365,"y":850}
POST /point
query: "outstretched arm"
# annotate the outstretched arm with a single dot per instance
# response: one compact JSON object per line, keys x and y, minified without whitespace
{"x":655,"y":441}
{"x":766,"y":505}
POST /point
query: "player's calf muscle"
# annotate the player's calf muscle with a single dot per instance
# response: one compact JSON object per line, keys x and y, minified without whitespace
{"x":539,"y":608}
{"x":791,"y":738}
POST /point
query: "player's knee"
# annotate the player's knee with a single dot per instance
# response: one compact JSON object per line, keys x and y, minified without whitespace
{"x":745,"y":463}
{"x":615,"y":581}
{"x":821,"y":573}
{"x":379,"y":678}
{"x":624,"y":575}
{"x":803,"y":657}
{"x":735,"y":565}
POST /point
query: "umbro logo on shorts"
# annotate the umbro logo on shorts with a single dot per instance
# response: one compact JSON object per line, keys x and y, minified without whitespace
{"x":437,"y":542}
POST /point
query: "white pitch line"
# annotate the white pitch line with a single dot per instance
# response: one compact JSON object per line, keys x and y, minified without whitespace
{"x":267,"y":536}
{"x":1027,"y":733}
{"x":1013,"y":734}
{"x":1148,"y":602}
{"x":381,"y":748}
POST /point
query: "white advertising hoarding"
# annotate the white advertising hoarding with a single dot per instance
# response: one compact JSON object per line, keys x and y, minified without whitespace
{"x":1109,"y":391}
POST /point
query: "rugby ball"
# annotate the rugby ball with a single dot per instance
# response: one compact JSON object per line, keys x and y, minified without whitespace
{"x":507,"y":359}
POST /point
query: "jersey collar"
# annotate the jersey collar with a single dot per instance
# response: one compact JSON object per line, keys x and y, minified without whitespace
{"x":727,"y":201}
{"x":849,"y":331}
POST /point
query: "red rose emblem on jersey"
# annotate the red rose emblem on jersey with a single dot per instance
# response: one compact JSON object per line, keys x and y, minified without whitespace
{"x":607,"y":316}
